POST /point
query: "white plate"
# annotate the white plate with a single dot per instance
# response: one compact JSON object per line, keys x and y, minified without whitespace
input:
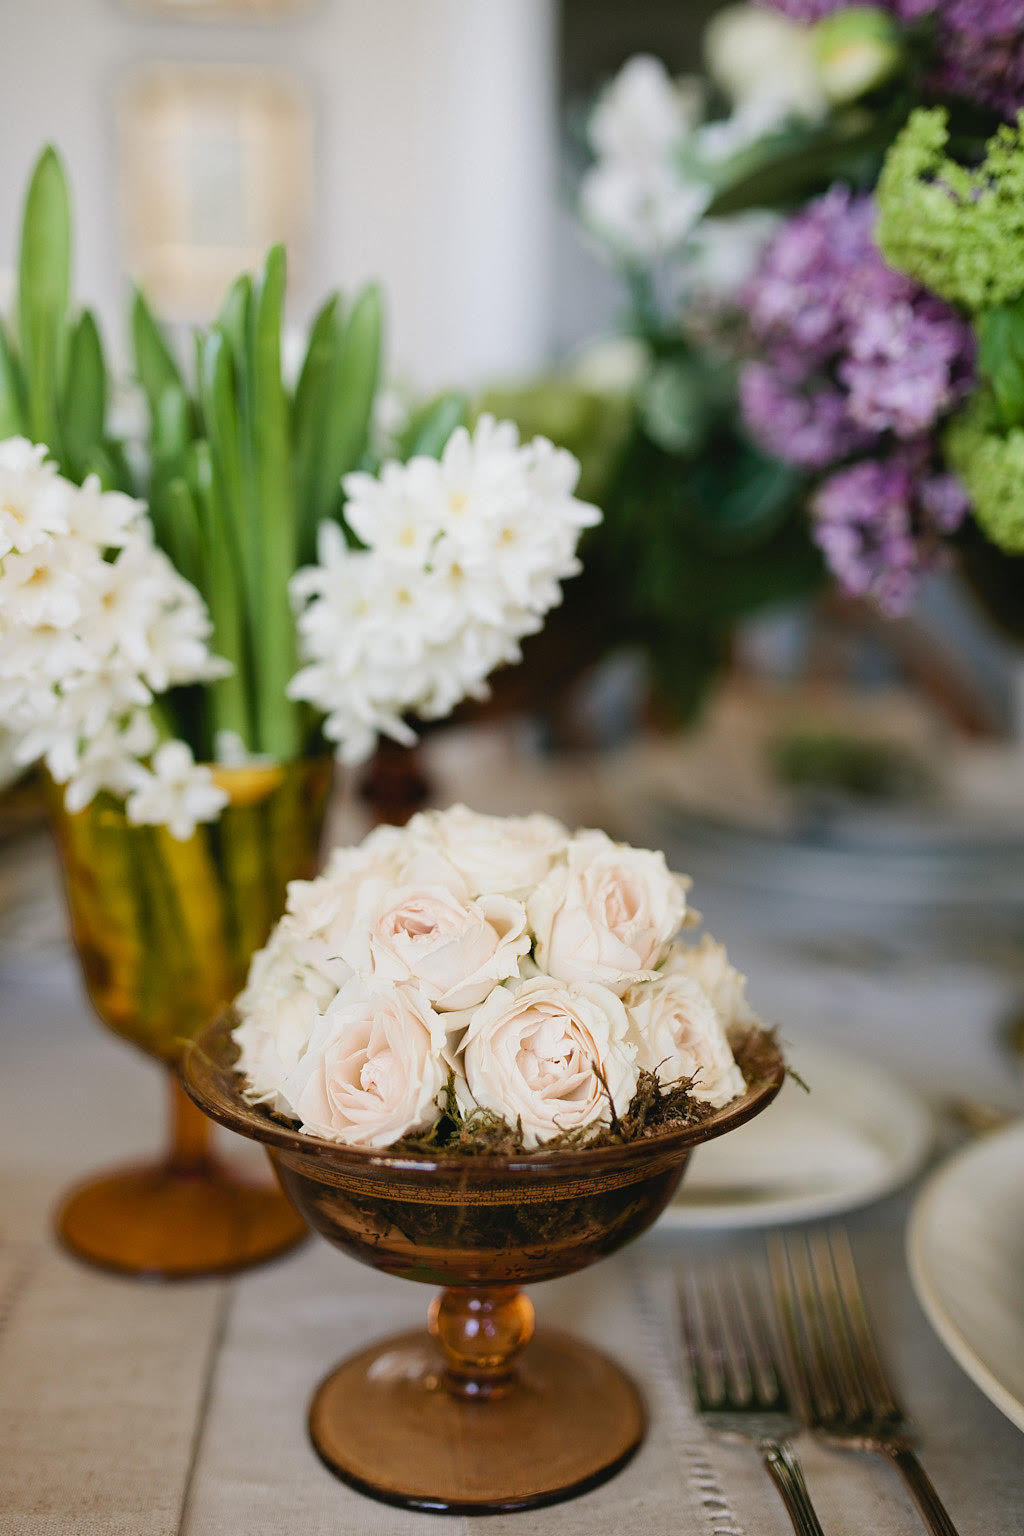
{"x":965,"y":1247}
{"x":855,"y":1137}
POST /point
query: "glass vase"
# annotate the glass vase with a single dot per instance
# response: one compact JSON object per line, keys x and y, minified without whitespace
{"x":164,"y":931}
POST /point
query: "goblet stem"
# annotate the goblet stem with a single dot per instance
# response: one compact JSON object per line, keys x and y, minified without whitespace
{"x":191,"y":1149}
{"x":481,"y":1331}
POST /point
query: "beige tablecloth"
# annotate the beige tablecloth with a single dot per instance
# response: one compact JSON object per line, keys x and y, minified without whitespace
{"x":136,"y":1410}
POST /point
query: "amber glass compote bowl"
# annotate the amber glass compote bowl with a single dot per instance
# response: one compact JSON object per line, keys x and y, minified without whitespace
{"x":466,"y":1417}
{"x":164,"y":931}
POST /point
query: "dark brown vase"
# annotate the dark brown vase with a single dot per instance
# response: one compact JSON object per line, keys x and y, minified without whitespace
{"x":164,"y":931}
{"x":479,"y":1414}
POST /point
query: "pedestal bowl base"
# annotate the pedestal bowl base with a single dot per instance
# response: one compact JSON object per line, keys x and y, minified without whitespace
{"x":165,"y":1224}
{"x":388,"y":1422}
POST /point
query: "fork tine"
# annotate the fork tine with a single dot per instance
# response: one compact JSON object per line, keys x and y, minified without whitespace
{"x":701,"y":1346}
{"x":753,"y":1320}
{"x":795,"y":1297}
{"x":737,"y":1362}
{"x":879,"y":1394}
{"x":847,"y":1377}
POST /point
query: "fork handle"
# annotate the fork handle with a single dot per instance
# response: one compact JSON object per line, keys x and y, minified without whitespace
{"x":932,"y":1510}
{"x":784,"y":1471}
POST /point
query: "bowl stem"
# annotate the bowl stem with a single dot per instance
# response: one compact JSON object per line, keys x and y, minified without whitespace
{"x":481,"y":1331}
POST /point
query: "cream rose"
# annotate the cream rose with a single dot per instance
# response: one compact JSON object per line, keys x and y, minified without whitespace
{"x":533,"y":1052}
{"x":457,"y":951}
{"x":708,"y":964}
{"x":606,"y":914}
{"x":271,"y":1040}
{"x":678,"y":1034}
{"x":494,"y":855}
{"x":372,"y":1070}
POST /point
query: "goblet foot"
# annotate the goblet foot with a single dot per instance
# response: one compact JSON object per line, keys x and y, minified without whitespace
{"x":166,"y":1223}
{"x":392,"y":1422}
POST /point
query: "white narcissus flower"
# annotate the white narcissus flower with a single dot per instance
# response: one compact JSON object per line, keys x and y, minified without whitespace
{"x":464,"y":557}
{"x":679,"y":1034}
{"x":548,"y":1056}
{"x":94,"y":620}
{"x":32,"y":510}
{"x":455,"y":951}
{"x":176,"y":792}
{"x":607,"y":913}
{"x":707,"y":962}
{"x":372,"y":1070}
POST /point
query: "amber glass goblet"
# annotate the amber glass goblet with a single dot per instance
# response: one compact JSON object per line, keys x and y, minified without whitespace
{"x":479,"y":1414}
{"x":164,"y":931}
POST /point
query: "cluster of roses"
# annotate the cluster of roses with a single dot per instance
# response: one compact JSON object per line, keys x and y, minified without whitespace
{"x":536,"y":970}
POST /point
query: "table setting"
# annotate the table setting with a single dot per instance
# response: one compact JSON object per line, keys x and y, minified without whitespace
{"x":447,"y":1076}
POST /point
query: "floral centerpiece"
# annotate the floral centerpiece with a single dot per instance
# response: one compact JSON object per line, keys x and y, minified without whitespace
{"x":190,"y":623}
{"x":794,"y":368}
{"x":479,"y":1056}
{"x":470,"y":973}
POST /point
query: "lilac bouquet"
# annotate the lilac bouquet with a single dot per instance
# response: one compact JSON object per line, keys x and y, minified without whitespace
{"x":856,"y":368}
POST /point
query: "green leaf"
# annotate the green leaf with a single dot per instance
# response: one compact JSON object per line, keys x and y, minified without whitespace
{"x":85,"y":394}
{"x":155,"y":363}
{"x":13,"y":421}
{"x":797,"y":165}
{"x":172,"y":424}
{"x":44,"y":287}
{"x":222,"y":587}
{"x":309,"y":416}
{"x":233,"y":319}
{"x":353,"y":388}
{"x":1001,"y":358}
{"x":273,"y":638}
{"x":430,"y":427}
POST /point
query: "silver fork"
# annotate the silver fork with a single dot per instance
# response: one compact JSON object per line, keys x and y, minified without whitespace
{"x":841,"y":1388}
{"x":737,"y":1383}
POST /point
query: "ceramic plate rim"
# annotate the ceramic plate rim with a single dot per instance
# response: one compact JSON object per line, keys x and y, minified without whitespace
{"x":919,"y":1121}
{"x":928,"y":1292}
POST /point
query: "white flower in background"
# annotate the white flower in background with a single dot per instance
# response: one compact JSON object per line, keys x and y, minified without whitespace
{"x":373,"y":1069}
{"x":724,"y":252}
{"x":639,"y":197}
{"x":31,"y":508}
{"x":607,"y":914}
{"x":464,"y":557}
{"x":549,"y":1056}
{"x":408,"y":962}
{"x":176,"y":793}
{"x":707,"y":962}
{"x":679,"y":1034}
{"x":94,"y":621}
{"x":761,"y":57}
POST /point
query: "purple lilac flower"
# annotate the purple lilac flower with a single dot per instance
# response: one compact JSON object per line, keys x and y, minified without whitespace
{"x":808,"y":425}
{"x":849,"y":351}
{"x":981,"y":52}
{"x":879,"y":523}
{"x":979,"y":43}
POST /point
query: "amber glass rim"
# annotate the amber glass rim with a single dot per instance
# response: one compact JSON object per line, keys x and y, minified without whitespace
{"x":208,"y":1073}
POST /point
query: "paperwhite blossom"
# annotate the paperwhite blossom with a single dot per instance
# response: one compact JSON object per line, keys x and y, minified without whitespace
{"x":176,"y":792}
{"x":464,"y":557}
{"x":658,"y":163}
{"x":94,"y":621}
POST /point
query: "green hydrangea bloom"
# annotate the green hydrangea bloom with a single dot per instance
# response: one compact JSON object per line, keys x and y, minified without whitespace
{"x":959,"y":232}
{"x":990,"y":462}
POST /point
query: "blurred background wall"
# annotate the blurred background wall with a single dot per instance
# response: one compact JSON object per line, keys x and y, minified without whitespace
{"x":421,"y":150}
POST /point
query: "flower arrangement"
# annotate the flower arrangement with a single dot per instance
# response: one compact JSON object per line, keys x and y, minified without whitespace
{"x":857,"y":331}
{"x":473,"y":973}
{"x":253,"y":578}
